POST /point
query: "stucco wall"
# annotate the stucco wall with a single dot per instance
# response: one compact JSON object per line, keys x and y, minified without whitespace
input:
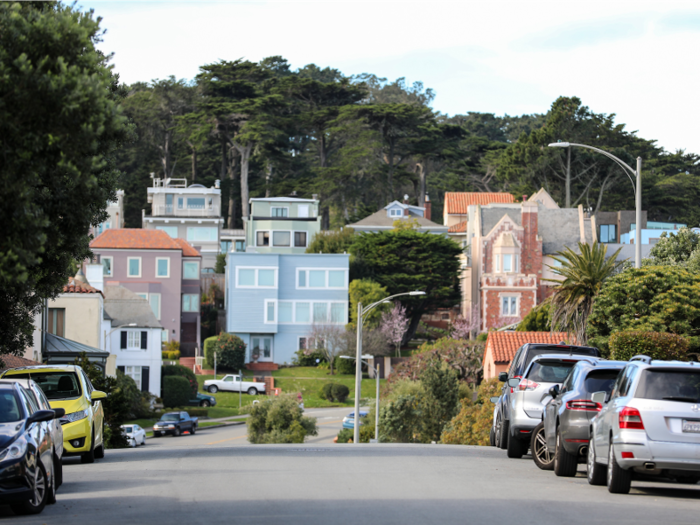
{"x":83,"y":317}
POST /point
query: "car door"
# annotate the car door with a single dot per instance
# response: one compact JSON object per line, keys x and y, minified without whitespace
{"x":554,"y":407}
{"x":607,"y":414}
{"x":228,"y":384}
{"x":506,"y":390}
{"x":97,"y":410}
{"x":54,"y":424}
{"x":40,"y":433}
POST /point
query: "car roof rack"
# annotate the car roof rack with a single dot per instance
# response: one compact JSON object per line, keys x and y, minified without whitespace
{"x":643,"y":358}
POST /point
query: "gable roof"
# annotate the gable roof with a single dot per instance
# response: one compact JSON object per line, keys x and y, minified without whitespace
{"x":135,"y":238}
{"x":125,"y":307}
{"x":187,"y":249}
{"x":381,"y":221}
{"x":460,"y":227}
{"x":503,"y":345}
{"x":456,"y":202}
{"x":74,"y":286}
{"x":13,"y":361}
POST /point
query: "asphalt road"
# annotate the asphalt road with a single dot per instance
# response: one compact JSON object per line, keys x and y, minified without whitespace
{"x":216,"y":477}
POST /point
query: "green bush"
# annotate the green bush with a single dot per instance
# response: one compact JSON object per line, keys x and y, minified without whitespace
{"x":182,"y":371}
{"x":171,"y":355}
{"x":345,"y":435}
{"x":312,"y":359}
{"x":538,"y":319}
{"x":473,"y":423}
{"x":440,"y":403}
{"x":209,"y":344}
{"x":279,"y":420}
{"x":176,"y":391}
{"x":230,"y":352}
{"x":344,"y":366}
{"x":657,"y":345}
{"x":326,"y":392}
{"x":400,"y":420}
{"x":340,"y":392}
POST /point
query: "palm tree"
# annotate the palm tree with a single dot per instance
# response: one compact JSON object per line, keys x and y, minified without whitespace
{"x":583,"y":276}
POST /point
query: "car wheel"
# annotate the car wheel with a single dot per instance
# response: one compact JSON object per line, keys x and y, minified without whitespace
{"x":176,"y":433}
{"x":143,"y":440}
{"x":89,"y":457}
{"x":193,"y":430}
{"x":540,"y":453}
{"x":503,"y":440}
{"x":100,"y":451}
{"x":596,"y":471}
{"x":514,"y":447}
{"x":40,"y":496}
{"x":492,"y":438}
{"x":252,"y":391}
{"x":213,"y":389}
{"x":157,"y":434}
{"x":205,"y":403}
{"x":565,"y":464}
{"x":619,"y":480}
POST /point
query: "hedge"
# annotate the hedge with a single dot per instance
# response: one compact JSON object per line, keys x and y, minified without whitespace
{"x":344,"y":366}
{"x":192,"y":411}
{"x":657,"y":345}
{"x":182,"y":371}
{"x":171,"y":355}
{"x":209,"y":347}
{"x":176,"y":391}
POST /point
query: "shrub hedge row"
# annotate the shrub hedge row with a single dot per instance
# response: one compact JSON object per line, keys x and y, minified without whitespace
{"x":657,"y":345}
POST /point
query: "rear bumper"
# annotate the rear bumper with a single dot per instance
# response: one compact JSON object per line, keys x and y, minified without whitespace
{"x":575,"y":435}
{"x":664,"y":455}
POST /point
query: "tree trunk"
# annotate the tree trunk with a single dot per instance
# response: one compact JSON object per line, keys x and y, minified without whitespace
{"x":412,"y":327}
{"x":568,"y":177}
{"x":231,"y":167}
{"x":245,"y":153}
{"x":391,"y":168}
{"x":325,"y":218}
{"x":268,"y":179}
{"x":422,"y":175}
{"x":194,"y":161}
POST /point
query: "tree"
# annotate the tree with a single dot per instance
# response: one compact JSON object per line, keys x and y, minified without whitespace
{"x":230,"y":352}
{"x":440,"y":402}
{"x":406,"y":260}
{"x":367,"y":292}
{"x":393,"y":325}
{"x":675,"y":249}
{"x":538,"y":319}
{"x":465,"y":326}
{"x":279,"y":420}
{"x":329,"y":339}
{"x":60,"y":126}
{"x":583,"y":275}
{"x":335,"y":241}
{"x":474,"y":421}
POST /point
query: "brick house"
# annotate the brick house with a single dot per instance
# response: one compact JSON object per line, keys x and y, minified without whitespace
{"x":501,"y":348}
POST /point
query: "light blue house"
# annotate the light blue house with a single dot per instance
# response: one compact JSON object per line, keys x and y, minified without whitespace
{"x":274,"y":299}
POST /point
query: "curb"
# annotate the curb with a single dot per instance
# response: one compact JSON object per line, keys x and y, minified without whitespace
{"x":231,"y":424}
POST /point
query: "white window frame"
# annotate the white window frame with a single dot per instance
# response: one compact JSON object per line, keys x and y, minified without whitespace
{"x":272,"y":239}
{"x":143,"y":295}
{"x":182,"y":305}
{"x":394,"y":212}
{"x":507,"y":270}
{"x":167,"y":275}
{"x":200,"y":228}
{"x":279,"y":208}
{"x":517,"y":304}
{"x":111,"y":265}
{"x":183,"y":269}
{"x":269,"y":302}
{"x":269,"y":236}
{"x":132,"y":371}
{"x":137,"y":334}
{"x":128,"y":267}
{"x":257,"y":271}
{"x":311,"y":304}
{"x":160,"y":306}
{"x":306,"y":244}
{"x":326,"y":287}
{"x":204,"y":206}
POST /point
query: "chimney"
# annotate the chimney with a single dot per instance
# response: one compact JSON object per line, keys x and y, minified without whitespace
{"x":524,"y":198}
{"x":95,"y":273}
{"x":405,"y":201}
{"x":428,"y":207}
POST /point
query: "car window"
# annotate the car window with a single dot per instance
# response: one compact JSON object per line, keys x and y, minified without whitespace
{"x":228,"y":379}
{"x":56,"y":385}
{"x":183,"y":415}
{"x":9,"y":407}
{"x":43,"y":402}
{"x":28,"y":401}
{"x":570,"y":379}
{"x":547,"y":371}
{"x":513,"y":363}
{"x":600,"y":380}
{"x":671,"y":385}
{"x":88,"y":383}
{"x":169,"y":417}
{"x":128,"y":430}
{"x":630,"y":374}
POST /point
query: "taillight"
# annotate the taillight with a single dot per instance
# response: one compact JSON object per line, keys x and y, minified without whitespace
{"x":583,"y":404}
{"x":526,"y":384}
{"x":630,"y":418}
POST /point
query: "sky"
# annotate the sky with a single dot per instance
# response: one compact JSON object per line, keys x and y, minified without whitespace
{"x":637,"y":59}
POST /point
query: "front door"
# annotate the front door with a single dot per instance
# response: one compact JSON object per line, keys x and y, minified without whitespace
{"x":262,"y":346}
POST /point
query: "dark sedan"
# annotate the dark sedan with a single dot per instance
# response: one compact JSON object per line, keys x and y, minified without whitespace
{"x":202,"y":400}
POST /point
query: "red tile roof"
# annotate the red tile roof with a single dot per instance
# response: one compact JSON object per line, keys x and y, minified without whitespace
{"x":135,"y":238}
{"x":460,"y":227}
{"x":74,"y":286}
{"x":187,"y":249}
{"x":13,"y":361}
{"x":503,"y":345}
{"x":457,"y":202}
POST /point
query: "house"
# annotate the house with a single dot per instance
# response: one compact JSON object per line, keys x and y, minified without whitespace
{"x":275,"y":299}
{"x":455,"y":210}
{"x":384,"y":219}
{"x":281,"y":224}
{"x":115,"y":211}
{"x":134,"y":337}
{"x":232,"y":241}
{"x":163,"y":270}
{"x":191,"y":213}
{"x":501,"y":347}
{"x":13,"y":361}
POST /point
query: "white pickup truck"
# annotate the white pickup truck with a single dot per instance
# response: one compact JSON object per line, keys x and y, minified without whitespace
{"x":233,"y":383}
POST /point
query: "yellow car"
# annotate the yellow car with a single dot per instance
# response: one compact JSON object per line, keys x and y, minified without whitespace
{"x":68,"y":387}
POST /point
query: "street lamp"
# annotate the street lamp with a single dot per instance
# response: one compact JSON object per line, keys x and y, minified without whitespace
{"x":376,"y":415}
{"x":358,"y":364}
{"x":637,"y":174}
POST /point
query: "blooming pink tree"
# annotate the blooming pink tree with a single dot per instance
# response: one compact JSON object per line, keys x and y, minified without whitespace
{"x":464,"y":327}
{"x":394,"y":324}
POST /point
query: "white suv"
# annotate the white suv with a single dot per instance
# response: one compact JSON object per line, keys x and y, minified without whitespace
{"x":650,"y":423}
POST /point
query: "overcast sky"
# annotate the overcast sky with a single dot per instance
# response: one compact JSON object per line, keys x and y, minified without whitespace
{"x":636,"y":59}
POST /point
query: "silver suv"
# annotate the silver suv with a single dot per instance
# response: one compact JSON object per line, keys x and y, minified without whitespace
{"x":650,"y":423}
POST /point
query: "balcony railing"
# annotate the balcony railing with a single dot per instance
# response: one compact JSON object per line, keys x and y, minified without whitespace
{"x":190,"y":211}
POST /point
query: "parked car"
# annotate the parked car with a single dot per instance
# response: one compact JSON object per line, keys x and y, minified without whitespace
{"x":494,"y":440}
{"x":649,"y":423}
{"x":531,"y":394}
{"x":560,"y":442}
{"x":175,"y":423}
{"x":233,"y":383}
{"x":349,"y":420}
{"x":202,"y":400}
{"x":27,"y":451}
{"x":522,"y":359}
{"x":135,"y":435}
{"x":68,"y":387}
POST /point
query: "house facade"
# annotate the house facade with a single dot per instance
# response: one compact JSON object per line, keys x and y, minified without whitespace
{"x":191,"y":213}
{"x":275,"y":300}
{"x":384,"y":219}
{"x":281,"y":224}
{"x":115,"y":219}
{"x":163,"y":271}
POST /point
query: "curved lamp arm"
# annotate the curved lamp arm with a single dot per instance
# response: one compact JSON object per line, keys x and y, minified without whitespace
{"x":386,"y":299}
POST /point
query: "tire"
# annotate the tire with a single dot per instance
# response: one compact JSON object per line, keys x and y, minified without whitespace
{"x":157,"y":434}
{"x":193,"y":430}
{"x":565,"y":464}
{"x":503,"y":440}
{"x":89,"y":457}
{"x":177,"y":432}
{"x":213,"y":389}
{"x":596,"y":471}
{"x":492,"y":437}
{"x":205,"y":403}
{"x":252,"y":391}
{"x":58,"y":471}
{"x":144,"y":440}
{"x":514,"y":447}
{"x":619,"y":480}
{"x":540,"y":453}
{"x":41,"y":494}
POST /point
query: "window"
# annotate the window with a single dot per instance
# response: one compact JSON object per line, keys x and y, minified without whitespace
{"x":169,"y":201}
{"x":509,"y":306}
{"x":608,"y":233}
{"x":507,"y":263}
{"x":195,"y":203}
{"x":180,"y":203}
{"x":162,"y":267}
{"x":395,"y":213}
{"x":303,"y":343}
{"x":301,"y":282}
{"x":246,"y":277}
{"x":262,"y":346}
{"x":303,"y":210}
{"x":170,"y":230}
{"x":266,"y":278}
{"x":270,"y":311}
{"x":190,"y":270}
{"x":57,"y":321}
{"x":317,"y":279}
{"x":154,"y":301}
{"x":134,"y":372}
{"x":337,"y":313}
{"x":302,"y":312}
{"x":281,"y":238}
{"x":322,"y":278}
{"x":225,"y":246}
{"x":203,"y":234}
{"x":320,"y":312}
{"x":285,"y":312}
{"x":164,"y":336}
{"x":107,"y":263}
{"x":336,"y":278}
{"x":240,"y":246}
{"x":190,"y":302}
{"x":134,"y":266}
{"x":497,"y":261}
{"x":256,"y":277}
{"x":262,"y":238}
{"x":300,"y":239}
{"x":279,"y":212}
{"x":134,"y":340}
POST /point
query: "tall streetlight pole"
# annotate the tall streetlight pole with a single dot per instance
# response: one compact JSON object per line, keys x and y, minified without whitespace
{"x":376,"y":410}
{"x":358,"y":357}
{"x":636,"y":177}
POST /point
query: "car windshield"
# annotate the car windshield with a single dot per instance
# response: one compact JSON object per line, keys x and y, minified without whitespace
{"x":9,"y":407}
{"x":128,"y":430}
{"x":600,"y":380}
{"x":670,"y":385}
{"x":170,"y":417}
{"x":55,"y":385}
{"x":549,"y":371}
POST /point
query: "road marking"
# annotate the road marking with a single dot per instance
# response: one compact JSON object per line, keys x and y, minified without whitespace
{"x":229,"y":439}
{"x":331,"y":422}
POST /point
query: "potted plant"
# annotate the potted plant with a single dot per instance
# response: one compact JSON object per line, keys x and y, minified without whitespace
{"x":255,"y":355}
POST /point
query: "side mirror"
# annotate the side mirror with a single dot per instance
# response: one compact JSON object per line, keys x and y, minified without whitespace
{"x":554,"y":391}
{"x":494,"y":399}
{"x":41,"y":415}
{"x":503,"y":377}
{"x":600,"y":397}
{"x":60,"y":412}
{"x":97,"y":394}
{"x":513,"y":382}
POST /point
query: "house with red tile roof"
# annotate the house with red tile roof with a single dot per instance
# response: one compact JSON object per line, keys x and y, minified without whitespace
{"x":163,"y":270}
{"x":501,"y":347}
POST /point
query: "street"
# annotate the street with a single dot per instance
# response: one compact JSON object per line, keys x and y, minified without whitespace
{"x":215,"y":476}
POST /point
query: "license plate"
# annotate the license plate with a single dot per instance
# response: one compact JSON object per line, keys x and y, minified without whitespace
{"x":691,"y":426}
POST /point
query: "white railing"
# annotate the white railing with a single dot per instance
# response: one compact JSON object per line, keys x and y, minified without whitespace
{"x":174,"y":211}
{"x":169,"y":183}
